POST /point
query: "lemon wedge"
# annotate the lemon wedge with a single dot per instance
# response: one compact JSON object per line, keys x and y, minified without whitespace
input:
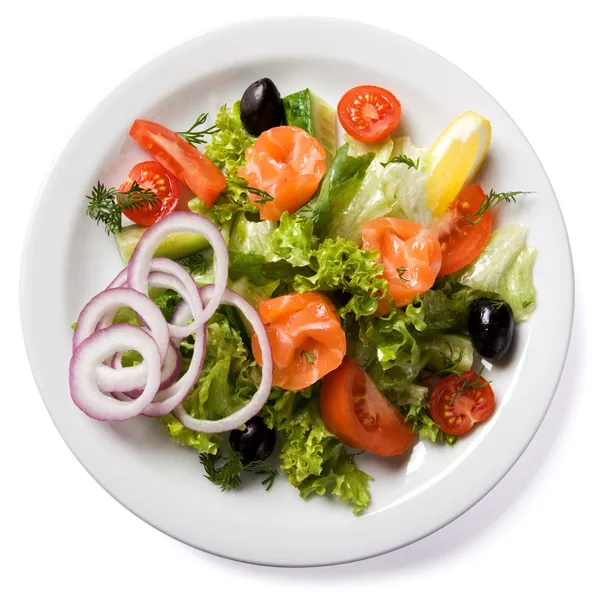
{"x":455,"y":159}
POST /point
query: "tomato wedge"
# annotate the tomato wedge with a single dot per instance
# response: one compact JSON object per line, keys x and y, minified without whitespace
{"x":462,"y":235}
{"x":152,"y":176}
{"x":369,"y":113}
{"x":306,"y":338}
{"x":410,"y":254}
{"x":288,"y":164}
{"x":358,"y":414}
{"x":182,"y":159}
{"x":458,"y":402}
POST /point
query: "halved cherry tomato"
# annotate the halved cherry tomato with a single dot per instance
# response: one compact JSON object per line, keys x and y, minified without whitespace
{"x":306,"y":338}
{"x":357,"y":413}
{"x":287,"y":163}
{"x":457,"y":403}
{"x":369,"y":113}
{"x":410,"y":254}
{"x":462,"y":240}
{"x":182,"y":159}
{"x":151,"y":176}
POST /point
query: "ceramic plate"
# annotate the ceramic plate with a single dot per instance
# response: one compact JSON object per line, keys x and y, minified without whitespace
{"x":67,"y":259}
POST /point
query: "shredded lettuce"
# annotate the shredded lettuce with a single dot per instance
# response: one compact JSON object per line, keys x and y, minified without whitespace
{"x":505,"y":267}
{"x":341,"y":265}
{"x":339,"y":186}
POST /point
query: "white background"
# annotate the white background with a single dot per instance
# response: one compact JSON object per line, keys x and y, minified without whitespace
{"x":535,"y":533}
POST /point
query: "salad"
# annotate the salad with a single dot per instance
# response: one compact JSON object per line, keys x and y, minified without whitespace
{"x":322,"y":299}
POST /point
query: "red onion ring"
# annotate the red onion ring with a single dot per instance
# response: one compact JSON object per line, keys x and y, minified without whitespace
{"x":170,"y":370}
{"x":139,"y":266}
{"x":89,"y":355}
{"x":259,"y":399}
{"x":107,"y":302}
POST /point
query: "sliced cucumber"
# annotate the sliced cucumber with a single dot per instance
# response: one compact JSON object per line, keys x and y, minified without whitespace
{"x":175,"y":246}
{"x":309,"y":112}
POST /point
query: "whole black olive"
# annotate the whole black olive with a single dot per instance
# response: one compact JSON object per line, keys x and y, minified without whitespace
{"x":256,"y":442}
{"x":261,"y":107}
{"x":491,"y":326}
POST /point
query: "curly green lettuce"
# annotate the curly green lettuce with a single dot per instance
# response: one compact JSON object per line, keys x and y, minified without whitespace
{"x":229,"y":378}
{"x":314,"y":460}
{"x":340,"y":265}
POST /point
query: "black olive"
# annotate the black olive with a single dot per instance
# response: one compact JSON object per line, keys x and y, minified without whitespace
{"x":261,"y":107}
{"x":256,"y":442}
{"x":491,"y":326}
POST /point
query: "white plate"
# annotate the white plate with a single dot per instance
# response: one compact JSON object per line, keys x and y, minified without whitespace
{"x":67,"y":259}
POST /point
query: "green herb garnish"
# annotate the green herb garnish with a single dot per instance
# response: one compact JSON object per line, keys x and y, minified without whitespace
{"x":492,"y":199}
{"x":106,"y":205}
{"x":262,"y":196}
{"x":473,"y":385}
{"x":310,"y":358}
{"x":197,"y":137}
{"x":228,"y":475}
{"x":405,"y":160}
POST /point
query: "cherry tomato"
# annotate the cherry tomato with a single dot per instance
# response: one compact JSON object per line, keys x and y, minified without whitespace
{"x":151,"y":176}
{"x":287,"y":163}
{"x":458,"y":402}
{"x":462,"y":239}
{"x":410,"y":254}
{"x":182,"y":159}
{"x":358,"y":414}
{"x":369,"y":113}
{"x":306,"y":338}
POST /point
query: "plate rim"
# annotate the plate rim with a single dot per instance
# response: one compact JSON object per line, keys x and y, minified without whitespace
{"x":302,"y":22}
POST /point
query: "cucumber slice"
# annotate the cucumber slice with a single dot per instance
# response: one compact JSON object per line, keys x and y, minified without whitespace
{"x":309,"y":112}
{"x":175,"y":246}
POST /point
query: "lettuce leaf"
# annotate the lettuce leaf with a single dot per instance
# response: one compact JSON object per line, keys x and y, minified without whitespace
{"x":253,"y":236}
{"x":367,"y":202}
{"x":505,"y":267}
{"x":315,"y":461}
{"x":228,"y":146}
{"x":293,"y":240}
{"x":339,"y":186}
{"x":340,"y":265}
{"x":258,"y":270}
{"x":447,"y":349}
{"x":388,"y":350}
{"x":423,"y":425}
{"x":517,"y":287}
{"x":228,"y":380}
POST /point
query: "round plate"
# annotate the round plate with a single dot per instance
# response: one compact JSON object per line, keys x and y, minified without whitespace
{"x":67,"y":259}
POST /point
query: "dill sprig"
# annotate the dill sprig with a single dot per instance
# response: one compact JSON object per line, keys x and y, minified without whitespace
{"x":106,"y":205}
{"x":310,"y":358}
{"x":262,"y":196}
{"x":473,"y":385}
{"x":197,"y":137}
{"x":405,"y":160}
{"x":228,"y":475}
{"x":401,"y":271}
{"x":492,"y":199}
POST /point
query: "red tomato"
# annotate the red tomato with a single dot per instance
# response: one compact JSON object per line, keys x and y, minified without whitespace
{"x":356,"y":412}
{"x":369,"y":113}
{"x":151,"y":176}
{"x":410,"y":254}
{"x":306,"y":338}
{"x":462,"y":240}
{"x":287,"y":163}
{"x":457,"y":403}
{"x":182,"y":159}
